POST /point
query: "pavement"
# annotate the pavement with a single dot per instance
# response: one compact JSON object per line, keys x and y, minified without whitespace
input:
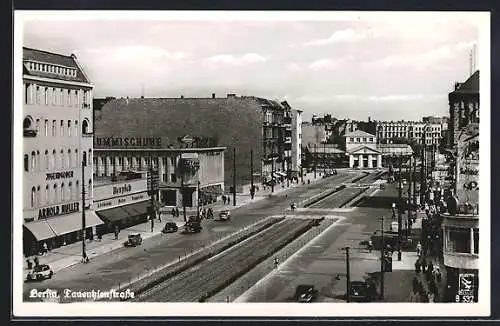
{"x":71,"y":254}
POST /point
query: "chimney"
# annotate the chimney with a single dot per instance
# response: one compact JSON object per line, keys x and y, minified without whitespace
{"x":213,"y":95}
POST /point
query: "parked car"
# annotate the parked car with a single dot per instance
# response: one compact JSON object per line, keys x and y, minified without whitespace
{"x":225,"y":215}
{"x":170,"y":227}
{"x":133,"y":240}
{"x":361,"y":291}
{"x":39,"y":273}
{"x":305,"y":293}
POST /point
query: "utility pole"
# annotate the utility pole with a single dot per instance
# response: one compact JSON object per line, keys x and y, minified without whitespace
{"x":422,"y":171}
{"x":182,"y":190}
{"x":198,"y":206}
{"x":348,"y":275}
{"x":234,"y":176}
{"x":315,"y":159}
{"x":400,"y":190}
{"x":409,"y":207}
{"x":382,"y":246}
{"x":414,"y":180}
{"x":324,"y":158}
{"x":251,"y":170}
{"x":84,"y":254}
{"x":272,"y":174}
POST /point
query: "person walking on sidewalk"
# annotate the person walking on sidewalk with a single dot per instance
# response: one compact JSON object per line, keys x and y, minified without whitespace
{"x":419,"y":249}
{"x":417,"y":266}
{"x":117,"y":231}
{"x":36,"y":261}
{"x":224,"y":199}
{"x":229,"y":200}
{"x":177,"y":214}
{"x":429,"y":271}
{"x":29,"y":263}
{"x":370,"y":245}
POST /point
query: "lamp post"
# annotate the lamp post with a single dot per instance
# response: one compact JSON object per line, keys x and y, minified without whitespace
{"x":382,"y":259}
{"x":400,"y":190}
{"x":348,"y":274}
{"x":234,"y":176}
{"x":84,"y":254}
{"x":315,"y":159}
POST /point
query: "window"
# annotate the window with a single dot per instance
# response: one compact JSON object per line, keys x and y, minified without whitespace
{"x":173,"y":177}
{"x":54,"y":96}
{"x":90,"y":187}
{"x":38,"y":196}
{"x":68,"y":98}
{"x":90,"y":158}
{"x":69,"y":128}
{"x":33,"y":198}
{"x":70,"y":190}
{"x":37,"y":125}
{"x":172,"y":161}
{"x":38,"y":161}
{"x":459,"y":240}
{"x":46,"y":159}
{"x":68,"y":162}
{"x":85,"y":127}
{"x":76,"y":158}
{"x":46,"y":127}
{"x":61,"y":159}
{"x":351,"y":139}
{"x":26,"y":163}
{"x":77,"y":190}
{"x":54,"y":158}
{"x":53,"y":128}
{"x":27,"y":94}
{"x":77,"y":93}
{"x":61,"y":130}
{"x":371,"y":139}
{"x":63,"y":194}
{"x":476,"y":241}
{"x":357,"y":140}
{"x":33,"y":159}
{"x":84,"y":159}
{"x":76,"y":128}
{"x":47,"y":194}
{"x":46,"y":95}
{"x":38,"y":95}
{"x":27,"y":123}
{"x":55,"y":195}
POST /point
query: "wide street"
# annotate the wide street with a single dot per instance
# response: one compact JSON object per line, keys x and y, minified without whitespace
{"x":322,"y":261}
{"x":120,"y":266}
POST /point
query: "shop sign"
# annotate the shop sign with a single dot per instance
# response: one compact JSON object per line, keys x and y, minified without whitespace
{"x":104,"y":204}
{"x":120,"y":142}
{"x":58,"y":210}
{"x":122,"y":189}
{"x":59,"y":175}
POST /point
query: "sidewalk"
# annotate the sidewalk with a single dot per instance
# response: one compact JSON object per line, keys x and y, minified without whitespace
{"x":71,"y":254}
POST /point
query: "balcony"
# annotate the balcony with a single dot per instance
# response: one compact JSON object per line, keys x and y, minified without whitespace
{"x":29,"y":133}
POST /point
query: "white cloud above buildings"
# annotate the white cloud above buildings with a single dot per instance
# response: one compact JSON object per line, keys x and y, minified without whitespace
{"x":345,"y":67}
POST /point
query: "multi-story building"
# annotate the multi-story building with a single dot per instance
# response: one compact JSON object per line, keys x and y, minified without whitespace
{"x":461,"y":223}
{"x":464,"y":106}
{"x":239,"y":123}
{"x":395,"y":131}
{"x":58,"y":129}
{"x":296,"y":139}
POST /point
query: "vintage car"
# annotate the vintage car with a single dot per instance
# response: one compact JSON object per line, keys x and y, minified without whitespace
{"x":133,"y":240}
{"x":170,"y":227}
{"x":225,"y":215}
{"x":361,"y":291}
{"x":305,"y":293}
{"x":39,"y":273}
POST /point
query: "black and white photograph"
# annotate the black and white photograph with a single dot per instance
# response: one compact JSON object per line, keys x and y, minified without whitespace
{"x":251,"y":163}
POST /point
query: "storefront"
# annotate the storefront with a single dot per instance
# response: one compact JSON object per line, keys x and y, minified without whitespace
{"x":59,"y":225}
{"x":121,"y":204}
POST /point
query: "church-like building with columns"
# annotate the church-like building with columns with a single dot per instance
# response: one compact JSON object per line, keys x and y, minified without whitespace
{"x":361,"y":147}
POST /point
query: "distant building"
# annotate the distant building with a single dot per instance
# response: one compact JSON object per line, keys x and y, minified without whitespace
{"x":361,"y":147}
{"x":296,"y":139}
{"x":312,"y":134}
{"x":244,"y":123}
{"x":412,"y":131}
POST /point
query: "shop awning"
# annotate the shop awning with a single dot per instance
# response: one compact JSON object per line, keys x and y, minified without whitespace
{"x":122,"y":212}
{"x":73,"y":222}
{"x":40,"y":230}
{"x":113,"y":214}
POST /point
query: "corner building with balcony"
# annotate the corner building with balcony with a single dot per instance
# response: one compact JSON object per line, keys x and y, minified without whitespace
{"x":57,"y":141}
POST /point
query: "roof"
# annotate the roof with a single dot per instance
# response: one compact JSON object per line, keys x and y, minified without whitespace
{"x":358,"y":148}
{"x":41,"y":56}
{"x":327,"y":150}
{"x":470,"y":86}
{"x":395,"y":149}
{"x":358,"y":133}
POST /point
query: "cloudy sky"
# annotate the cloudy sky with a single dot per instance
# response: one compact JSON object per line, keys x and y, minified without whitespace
{"x":399,"y":67}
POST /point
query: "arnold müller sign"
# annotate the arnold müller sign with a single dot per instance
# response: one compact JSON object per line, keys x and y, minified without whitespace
{"x":58,"y":210}
{"x":59,"y":175}
{"x":122,"y":142}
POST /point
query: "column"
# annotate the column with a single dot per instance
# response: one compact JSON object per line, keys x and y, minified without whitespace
{"x":107,"y":167}
{"x":351,"y":161}
{"x":361,"y":160}
{"x":379,"y":161}
{"x":125,"y":163}
{"x":134,"y":163}
{"x":472,"y":244}
{"x":370,"y":163}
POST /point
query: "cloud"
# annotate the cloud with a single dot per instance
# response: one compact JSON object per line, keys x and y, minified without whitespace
{"x":138,"y":52}
{"x":404,"y":97}
{"x":294,"y":67}
{"x":329,"y":63}
{"x":342,"y":36}
{"x":230,"y":59}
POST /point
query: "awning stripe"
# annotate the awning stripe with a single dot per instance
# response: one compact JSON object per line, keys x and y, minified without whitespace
{"x":73,"y":222}
{"x":122,"y":212}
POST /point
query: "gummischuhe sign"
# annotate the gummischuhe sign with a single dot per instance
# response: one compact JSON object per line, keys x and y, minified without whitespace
{"x":120,"y":142}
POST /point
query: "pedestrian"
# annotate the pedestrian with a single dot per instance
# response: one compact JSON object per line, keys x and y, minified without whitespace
{"x":419,"y":249}
{"x":45,"y":247}
{"x":177,"y":212}
{"x":438,"y":275}
{"x":224,"y":199}
{"x":229,"y":200}
{"x":276,"y":262}
{"x":173,"y":212}
{"x":430,"y":269}
{"x":117,"y":231}
{"x":430,"y":297}
{"x":417,"y":266}
{"x":423,"y":263}
{"x":35,"y":260}
{"x":30,"y":265}
{"x":159,"y":216}
{"x":152,"y":223}
{"x":370,"y":245}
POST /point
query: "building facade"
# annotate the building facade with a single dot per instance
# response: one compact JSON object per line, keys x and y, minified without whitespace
{"x":296,"y":139}
{"x":395,"y":131}
{"x":190,"y":173}
{"x":242,"y":123}
{"x":361,"y":147}
{"x":58,"y":150}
